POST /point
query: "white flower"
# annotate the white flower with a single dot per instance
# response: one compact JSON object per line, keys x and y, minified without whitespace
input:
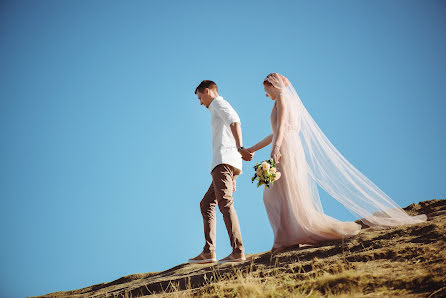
{"x":277,"y":176}
{"x":266,"y":166}
{"x":272,"y":170}
{"x":259,"y":171}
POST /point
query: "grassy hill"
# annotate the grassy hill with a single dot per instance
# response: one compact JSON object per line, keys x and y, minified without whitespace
{"x":406,"y":260}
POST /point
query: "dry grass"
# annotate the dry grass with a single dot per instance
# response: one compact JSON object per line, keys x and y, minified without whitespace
{"x":401,"y":261}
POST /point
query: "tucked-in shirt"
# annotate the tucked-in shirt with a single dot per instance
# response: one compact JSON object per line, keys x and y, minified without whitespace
{"x":224,"y":147}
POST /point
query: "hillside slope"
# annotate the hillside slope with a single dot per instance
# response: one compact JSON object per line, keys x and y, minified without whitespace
{"x":406,"y":260}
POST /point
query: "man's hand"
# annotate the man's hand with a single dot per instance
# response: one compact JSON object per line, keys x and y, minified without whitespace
{"x":246,"y":154}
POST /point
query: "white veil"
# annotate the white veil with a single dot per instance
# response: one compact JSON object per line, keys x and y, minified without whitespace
{"x":327,"y":167}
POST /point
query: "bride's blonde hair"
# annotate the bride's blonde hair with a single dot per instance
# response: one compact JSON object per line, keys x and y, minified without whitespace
{"x":273,"y":79}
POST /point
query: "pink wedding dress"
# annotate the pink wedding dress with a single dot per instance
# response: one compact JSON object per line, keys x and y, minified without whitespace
{"x":309,"y":159}
{"x":289,"y":203}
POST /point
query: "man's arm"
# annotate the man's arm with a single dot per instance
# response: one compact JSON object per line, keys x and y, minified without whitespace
{"x":236,"y":130}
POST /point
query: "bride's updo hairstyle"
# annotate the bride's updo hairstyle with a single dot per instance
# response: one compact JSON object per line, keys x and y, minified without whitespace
{"x":276,"y":80}
{"x":266,"y":82}
{"x":206,"y":84}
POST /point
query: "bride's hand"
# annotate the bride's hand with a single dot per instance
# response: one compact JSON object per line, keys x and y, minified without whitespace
{"x":275,"y":154}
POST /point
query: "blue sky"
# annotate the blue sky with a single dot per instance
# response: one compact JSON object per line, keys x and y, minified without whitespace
{"x":105,"y":150}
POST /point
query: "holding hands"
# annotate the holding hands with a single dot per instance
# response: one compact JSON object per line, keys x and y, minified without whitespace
{"x":246,"y":154}
{"x":275,"y":152}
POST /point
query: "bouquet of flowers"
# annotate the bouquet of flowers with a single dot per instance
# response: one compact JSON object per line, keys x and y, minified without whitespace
{"x":266,"y":173}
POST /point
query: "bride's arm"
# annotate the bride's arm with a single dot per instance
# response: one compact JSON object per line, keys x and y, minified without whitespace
{"x":281,"y":119}
{"x":263,"y":143}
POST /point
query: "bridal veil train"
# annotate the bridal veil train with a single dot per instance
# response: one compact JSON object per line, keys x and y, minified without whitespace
{"x":310,"y":159}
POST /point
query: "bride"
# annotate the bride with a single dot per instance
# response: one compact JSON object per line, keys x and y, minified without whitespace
{"x":306,"y":158}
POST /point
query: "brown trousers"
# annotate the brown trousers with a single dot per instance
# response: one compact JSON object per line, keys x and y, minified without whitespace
{"x":220,"y":192}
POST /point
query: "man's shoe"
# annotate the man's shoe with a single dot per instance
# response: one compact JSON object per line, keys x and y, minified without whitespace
{"x":233,"y":258}
{"x":204,"y":258}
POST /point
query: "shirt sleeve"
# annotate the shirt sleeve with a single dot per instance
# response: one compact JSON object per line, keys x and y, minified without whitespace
{"x":226,"y":112}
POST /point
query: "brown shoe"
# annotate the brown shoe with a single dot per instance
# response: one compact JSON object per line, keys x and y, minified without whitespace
{"x":204,"y":258}
{"x":233,"y":257}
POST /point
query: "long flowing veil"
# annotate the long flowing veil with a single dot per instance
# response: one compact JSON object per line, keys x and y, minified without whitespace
{"x":329,"y":169}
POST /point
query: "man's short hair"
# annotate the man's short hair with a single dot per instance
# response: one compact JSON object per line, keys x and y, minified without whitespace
{"x":206,"y":84}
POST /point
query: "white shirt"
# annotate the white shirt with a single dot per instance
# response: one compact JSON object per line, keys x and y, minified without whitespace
{"x":224,"y":148}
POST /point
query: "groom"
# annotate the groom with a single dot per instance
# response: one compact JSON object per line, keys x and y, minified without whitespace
{"x":228,"y":151}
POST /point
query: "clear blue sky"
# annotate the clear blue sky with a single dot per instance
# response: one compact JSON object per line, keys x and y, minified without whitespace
{"x":105,"y":150}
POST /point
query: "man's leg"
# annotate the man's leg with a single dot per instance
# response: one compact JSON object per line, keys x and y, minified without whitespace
{"x":222,"y":177}
{"x":207,"y":206}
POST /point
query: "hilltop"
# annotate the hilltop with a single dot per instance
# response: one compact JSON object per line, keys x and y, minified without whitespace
{"x":406,"y":260}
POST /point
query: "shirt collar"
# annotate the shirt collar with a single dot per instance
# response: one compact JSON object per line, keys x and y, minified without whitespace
{"x":216,"y":98}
